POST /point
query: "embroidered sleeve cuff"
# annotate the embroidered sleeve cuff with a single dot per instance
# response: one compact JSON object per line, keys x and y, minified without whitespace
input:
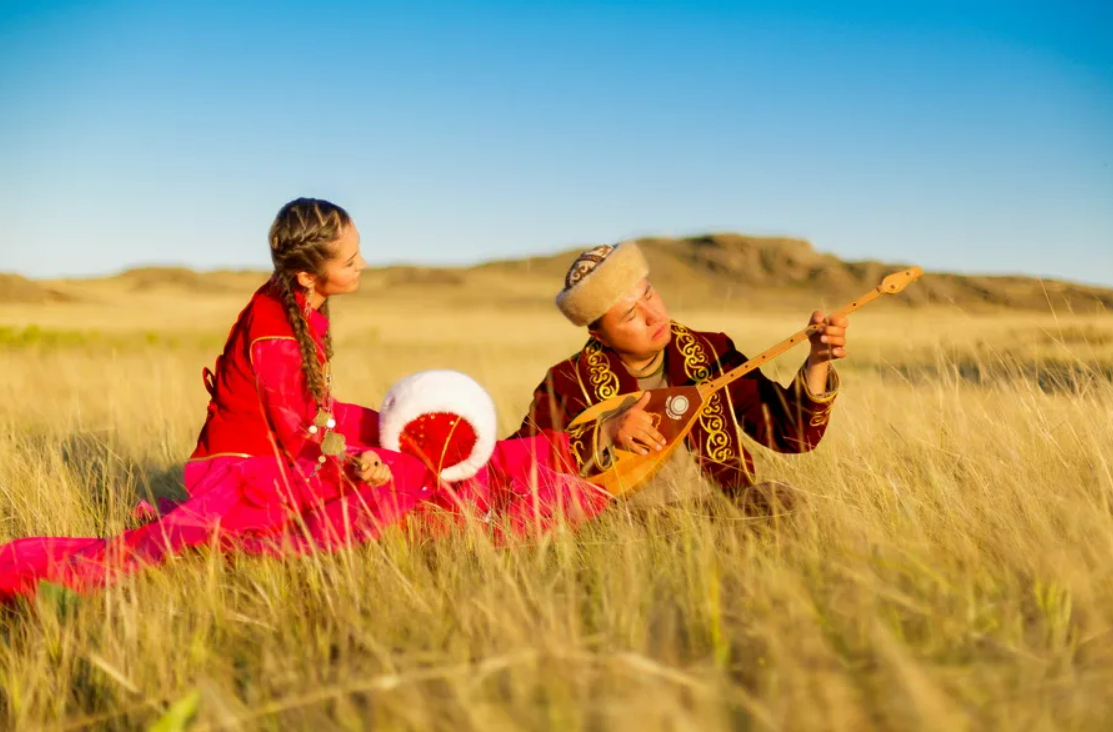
{"x":832,"y":385}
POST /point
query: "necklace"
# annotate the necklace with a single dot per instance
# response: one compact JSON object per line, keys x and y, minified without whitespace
{"x":332,"y":443}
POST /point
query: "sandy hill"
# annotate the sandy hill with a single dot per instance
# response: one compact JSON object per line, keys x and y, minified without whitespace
{"x":16,"y":289}
{"x":713,"y":269}
{"x":152,"y":279}
{"x":703,"y":271}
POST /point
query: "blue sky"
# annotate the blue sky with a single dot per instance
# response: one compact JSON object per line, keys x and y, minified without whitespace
{"x":962,"y":136}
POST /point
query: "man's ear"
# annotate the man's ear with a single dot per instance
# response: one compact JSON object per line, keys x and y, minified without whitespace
{"x":306,"y":280}
{"x":598,"y":335}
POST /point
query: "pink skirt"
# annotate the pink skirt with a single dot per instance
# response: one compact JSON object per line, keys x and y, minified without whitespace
{"x":261,"y":505}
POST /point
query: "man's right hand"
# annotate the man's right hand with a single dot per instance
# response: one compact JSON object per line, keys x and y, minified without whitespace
{"x":632,"y":429}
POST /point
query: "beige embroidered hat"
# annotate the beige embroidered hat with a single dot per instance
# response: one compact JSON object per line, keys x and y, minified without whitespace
{"x":598,"y":278}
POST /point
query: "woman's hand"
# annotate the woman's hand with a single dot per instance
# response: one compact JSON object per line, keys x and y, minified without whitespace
{"x":372,"y":470}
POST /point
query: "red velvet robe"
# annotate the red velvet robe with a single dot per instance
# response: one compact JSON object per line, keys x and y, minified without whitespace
{"x":785,"y":419}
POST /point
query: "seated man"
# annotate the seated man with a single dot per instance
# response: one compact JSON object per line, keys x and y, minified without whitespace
{"x":634,"y":346}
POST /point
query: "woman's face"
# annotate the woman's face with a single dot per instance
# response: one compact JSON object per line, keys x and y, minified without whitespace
{"x":342,"y":269}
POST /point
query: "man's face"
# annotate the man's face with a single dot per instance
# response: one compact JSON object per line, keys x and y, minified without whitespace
{"x":637,"y":325}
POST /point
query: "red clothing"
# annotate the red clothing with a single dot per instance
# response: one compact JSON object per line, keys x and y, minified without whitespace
{"x":255,"y":482}
{"x":785,"y":419}
{"x":235,"y":424}
{"x":259,"y":403}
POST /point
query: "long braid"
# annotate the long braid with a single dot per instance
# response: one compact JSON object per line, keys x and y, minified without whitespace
{"x":301,"y":240}
{"x":328,"y":332}
{"x":310,"y":363}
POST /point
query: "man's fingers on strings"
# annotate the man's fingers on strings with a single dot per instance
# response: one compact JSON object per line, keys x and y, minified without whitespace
{"x":626,"y":439}
{"x":631,"y":442}
{"x":646,"y":438}
{"x":643,"y":423}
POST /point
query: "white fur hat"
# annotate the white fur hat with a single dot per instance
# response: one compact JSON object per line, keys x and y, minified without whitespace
{"x":598,"y":278}
{"x":443,"y":417}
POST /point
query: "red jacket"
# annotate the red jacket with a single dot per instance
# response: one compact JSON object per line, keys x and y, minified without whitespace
{"x":259,"y":404}
{"x":785,"y":419}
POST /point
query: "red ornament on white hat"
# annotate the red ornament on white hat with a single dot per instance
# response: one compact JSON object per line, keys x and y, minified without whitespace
{"x":442,"y":417}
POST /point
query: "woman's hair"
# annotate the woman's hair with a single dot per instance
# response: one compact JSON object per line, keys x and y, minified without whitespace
{"x":301,"y":240}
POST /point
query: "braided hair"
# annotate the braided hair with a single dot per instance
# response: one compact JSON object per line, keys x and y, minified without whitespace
{"x":301,"y":240}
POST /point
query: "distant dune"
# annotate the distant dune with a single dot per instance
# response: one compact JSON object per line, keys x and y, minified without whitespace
{"x":761,"y":271}
{"x":703,"y":271}
{"x":16,"y":289}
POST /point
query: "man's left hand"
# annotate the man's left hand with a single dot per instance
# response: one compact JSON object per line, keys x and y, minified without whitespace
{"x":829,"y":339}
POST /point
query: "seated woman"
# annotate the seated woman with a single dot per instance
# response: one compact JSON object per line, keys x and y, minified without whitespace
{"x":281,"y":465}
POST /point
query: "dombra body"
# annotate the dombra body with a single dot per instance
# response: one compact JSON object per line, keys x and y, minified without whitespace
{"x":675,"y":409}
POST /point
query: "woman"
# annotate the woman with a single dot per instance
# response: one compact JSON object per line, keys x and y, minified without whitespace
{"x":280,"y":465}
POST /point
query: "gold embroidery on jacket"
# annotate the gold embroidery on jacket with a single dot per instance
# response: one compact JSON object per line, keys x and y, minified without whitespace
{"x":575,"y":361}
{"x":742,"y":464}
{"x":575,"y":437}
{"x":599,"y":371}
{"x":697,"y":366}
{"x":695,"y":359}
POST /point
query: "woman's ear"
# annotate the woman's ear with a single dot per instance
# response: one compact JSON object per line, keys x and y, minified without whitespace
{"x":598,"y":335}
{"x":306,"y":280}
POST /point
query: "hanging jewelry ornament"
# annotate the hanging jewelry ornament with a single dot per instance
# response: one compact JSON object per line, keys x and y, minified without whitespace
{"x":323,"y":421}
{"x":333,"y":444}
{"x":308,"y":308}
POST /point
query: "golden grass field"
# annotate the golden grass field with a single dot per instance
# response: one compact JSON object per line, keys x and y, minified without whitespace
{"x":952,"y":569}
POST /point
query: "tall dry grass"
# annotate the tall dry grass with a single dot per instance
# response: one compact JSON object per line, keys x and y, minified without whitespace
{"x":952,"y":568}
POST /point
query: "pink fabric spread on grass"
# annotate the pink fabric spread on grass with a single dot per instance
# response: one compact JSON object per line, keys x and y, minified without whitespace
{"x":279,"y":499}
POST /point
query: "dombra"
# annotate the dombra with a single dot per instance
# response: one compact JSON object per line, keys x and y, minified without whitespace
{"x":442,"y":417}
{"x":676,"y":409}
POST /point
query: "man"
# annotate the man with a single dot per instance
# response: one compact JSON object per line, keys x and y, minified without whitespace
{"x":633,"y":345}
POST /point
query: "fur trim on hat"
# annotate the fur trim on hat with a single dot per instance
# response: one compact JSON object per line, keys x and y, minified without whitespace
{"x":595,"y":292}
{"x":441,"y":392}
